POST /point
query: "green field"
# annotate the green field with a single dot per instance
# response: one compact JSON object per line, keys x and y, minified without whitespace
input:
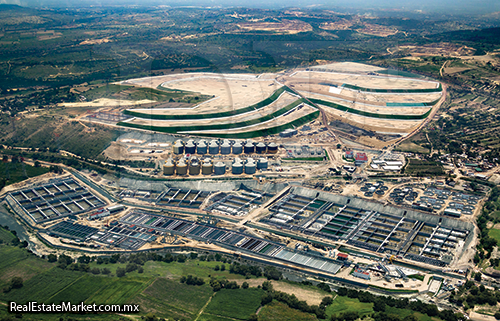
{"x":120,"y":291}
{"x":494,"y":233}
{"x":17,"y":172}
{"x":343,"y":304}
{"x":43,"y":286}
{"x":6,"y":236}
{"x":412,"y":148}
{"x":277,"y":311}
{"x":174,"y":300}
{"x":81,"y":290}
{"x":238,"y":303}
{"x":423,"y":168}
{"x":16,"y":262}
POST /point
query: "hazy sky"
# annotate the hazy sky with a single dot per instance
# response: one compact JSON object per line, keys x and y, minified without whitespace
{"x":447,"y":6}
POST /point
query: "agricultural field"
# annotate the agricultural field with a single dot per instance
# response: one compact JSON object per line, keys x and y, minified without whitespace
{"x":236,"y":303}
{"x":411,"y":147}
{"x":171,"y":299}
{"x":343,"y":304}
{"x":277,"y":311}
{"x":423,"y":168}
{"x":13,"y":172}
{"x":494,"y":233}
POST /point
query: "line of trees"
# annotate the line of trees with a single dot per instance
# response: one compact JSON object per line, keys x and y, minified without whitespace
{"x":380,"y":304}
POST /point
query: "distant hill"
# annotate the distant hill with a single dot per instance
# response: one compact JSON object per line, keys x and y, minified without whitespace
{"x":488,"y":36}
{"x":11,"y":7}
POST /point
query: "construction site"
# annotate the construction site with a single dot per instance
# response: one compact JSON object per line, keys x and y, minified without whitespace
{"x":278,"y":168}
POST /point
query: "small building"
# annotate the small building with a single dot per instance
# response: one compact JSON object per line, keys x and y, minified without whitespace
{"x":361,"y":274}
{"x":452,"y":212}
{"x":98,"y":214}
{"x":349,"y":154}
{"x":360,"y":159}
{"x":392,"y":168}
{"x":342,"y":256}
{"x":350,"y":169}
{"x":422,"y":207}
{"x":115,"y":208}
{"x":288,"y":133}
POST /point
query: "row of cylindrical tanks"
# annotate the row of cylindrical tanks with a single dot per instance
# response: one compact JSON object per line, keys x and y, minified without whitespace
{"x":194,"y":166}
{"x":225,"y":147}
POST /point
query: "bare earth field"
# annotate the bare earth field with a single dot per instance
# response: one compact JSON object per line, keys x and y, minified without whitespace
{"x":371,"y":108}
{"x":231,"y":91}
{"x":284,"y":100}
{"x":285,"y":26}
{"x":385,"y":126}
{"x":285,"y":119}
{"x":379,"y":82}
{"x":353,"y":67}
{"x":369,"y":98}
{"x":235,"y":91}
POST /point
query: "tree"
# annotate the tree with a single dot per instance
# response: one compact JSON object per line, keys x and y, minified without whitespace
{"x":51,"y":258}
{"x":253,"y":317}
{"x":379,"y":305}
{"x":267,"y":286}
{"x":95,"y":271}
{"x":266,"y":298}
{"x":131,"y":267}
{"x":120,"y":272}
{"x":410,"y":317}
{"x":327,"y":300}
{"x":478,"y":277}
{"x":497,"y":315}
{"x":244,"y":285}
{"x":106,"y":271}
{"x":325,"y":287}
{"x":16,"y":282}
{"x":140,"y":269}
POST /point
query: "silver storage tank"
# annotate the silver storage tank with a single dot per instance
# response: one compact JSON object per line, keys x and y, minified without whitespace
{"x":262,"y":163}
{"x":201,"y":149}
{"x":194,"y":166}
{"x":207,"y":167}
{"x":190,"y":147}
{"x":237,"y":148}
{"x":261,"y":148}
{"x":225,"y":148}
{"x":220,"y":168}
{"x":213,"y":148}
{"x":250,"y":166}
{"x":237,"y":167}
{"x":272,"y":148}
{"x":168,"y":167}
{"x":181,"y":167}
{"x":178,"y":147}
{"x":249,"y":147}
